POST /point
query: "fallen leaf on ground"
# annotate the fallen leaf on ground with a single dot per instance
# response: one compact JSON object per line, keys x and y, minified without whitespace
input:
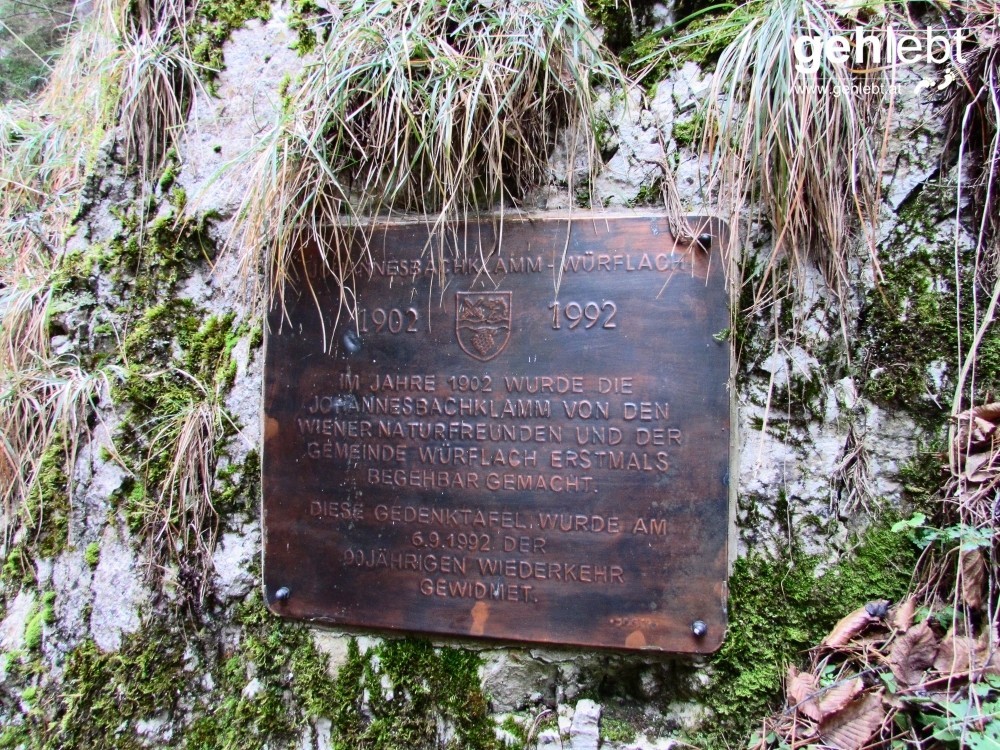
{"x":801,"y":691}
{"x":973,"y":572}
{"x":912,"y":653}
{"x":848,"y":627}
{"x":852,"y":727}
{"x":990,"y":412}
{"x":902,"y":618}
{"x":976,"y":427}
{"x":979,"y":467}
{"x":961,"y":656}
{"x":839,"y":696}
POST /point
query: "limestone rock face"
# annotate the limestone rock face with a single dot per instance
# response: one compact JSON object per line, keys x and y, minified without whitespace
{"x":118,"y":593}
{"x":13,"y":625}
{"x":583,"y":732}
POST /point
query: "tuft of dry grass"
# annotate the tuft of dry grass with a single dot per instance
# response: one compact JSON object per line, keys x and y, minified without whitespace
{"x":789,"y":140}
{"x":800,"y":148}
{"x":126,"y":64}
{"x":39,"y":408}
{"x":181,"y":521}
{"x":450,"y":108}
{"x":158,"y":80}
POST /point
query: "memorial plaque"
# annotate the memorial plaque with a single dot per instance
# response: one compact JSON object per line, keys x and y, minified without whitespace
{"x":533,"y":447}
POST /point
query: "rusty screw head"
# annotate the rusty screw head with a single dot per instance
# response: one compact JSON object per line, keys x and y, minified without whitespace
{"x":282,"y":594}
{"x":352,"y":342}
{"x":699,"y":628}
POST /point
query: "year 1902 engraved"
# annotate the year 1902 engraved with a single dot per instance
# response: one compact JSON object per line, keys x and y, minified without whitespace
{"x":471,"y":384}
{"x":389,"y":320}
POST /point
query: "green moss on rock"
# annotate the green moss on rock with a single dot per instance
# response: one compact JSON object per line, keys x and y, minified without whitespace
{"x":617,"y":730}
{"x":272,"y":685}
{"x":427,"y":687}
{"x":92,"y":555}
{"x":45,"y":514}
{"x":687,"y":132}
{"x":620,"y":21}
{"x":303,"y":21}
{"x":276,"y":682}
{"x":921,"y":316}
{"x":103,"y":696}
{"x":240,"y":486}
{"x":43,"y":615}
{"x":215,"y":23}
{"x":209,"y":351}
{"x":18,"y":569}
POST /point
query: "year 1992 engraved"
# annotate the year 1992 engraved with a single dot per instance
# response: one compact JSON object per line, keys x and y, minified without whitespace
{"x":589,"y":314}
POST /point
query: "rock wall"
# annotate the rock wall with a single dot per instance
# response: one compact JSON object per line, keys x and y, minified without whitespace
{"x":111,"y":637}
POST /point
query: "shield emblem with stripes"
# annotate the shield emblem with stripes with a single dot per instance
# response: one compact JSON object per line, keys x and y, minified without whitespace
{"x":482,"y":323}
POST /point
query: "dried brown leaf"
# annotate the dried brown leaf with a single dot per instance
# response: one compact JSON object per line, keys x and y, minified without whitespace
{"x":848,"y":627}
{"x":912,"y":653}
{"x":962,"y":656}
{"x":972,"y":566}
{"x":976,"y":428}
{"x":852,"y":727}
{"x":902,"y":618}
{"x":838,"y":697}
{"x":989,"y":412}
{"x":954,"y":654}
{"x":801,"y":692}
{"x":978,"y":467}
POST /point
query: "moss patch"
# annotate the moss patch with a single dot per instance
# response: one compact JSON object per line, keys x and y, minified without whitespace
{"x":216,"y":21}
{"x":272,"y":685}
{"x":103,"y":696}
{"x":45,"y":515}
{"x":617,"y":730}
{"x":306,"y":18}
{"x":916,"y":320}
{"x":621,"y":22}
{"x":199,"y":368}
{"x":240,"y":486}
{"x":18,"y":569}
{"x":412,"y":688}
{"x":176,"y":358}
{"x":44,"y":614}
{"x":688,"y":132}
{"x":92,"y":555}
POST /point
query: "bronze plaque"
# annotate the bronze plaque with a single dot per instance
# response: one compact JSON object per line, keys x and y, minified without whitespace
{"x":536,"y":449}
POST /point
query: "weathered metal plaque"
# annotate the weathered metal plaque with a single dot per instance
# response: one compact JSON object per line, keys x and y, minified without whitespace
{"x":535,"y":450}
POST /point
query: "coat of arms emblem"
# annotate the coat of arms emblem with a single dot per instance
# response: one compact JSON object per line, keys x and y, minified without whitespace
{"x":482,"y":323}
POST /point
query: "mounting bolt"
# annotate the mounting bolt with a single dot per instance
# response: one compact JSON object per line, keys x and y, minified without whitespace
{"x":282,"y":594}
{"x":352,"y":342}
{"x":705,"y":240}
{"x":699,"y":628}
